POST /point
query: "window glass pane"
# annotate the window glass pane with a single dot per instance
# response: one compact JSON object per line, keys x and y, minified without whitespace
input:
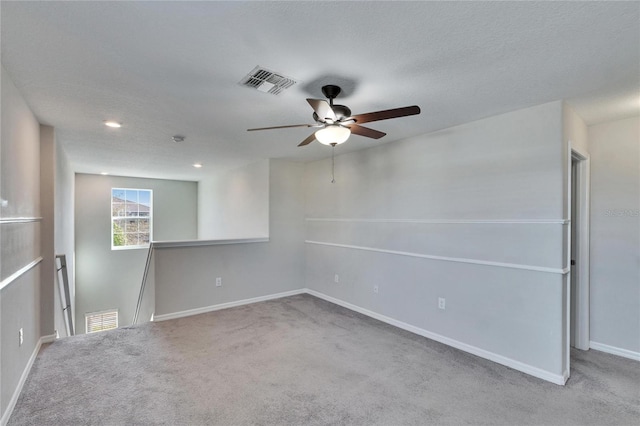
{"x":144,"y":198}
{"x":131,"y":211}
{"x":117,"y":209}
{"x":118,"y":195}
{"x":132,"y":225}
{"x":143,"y":225}
{"x":131,"y":239}
{"x":132,"y":196}
{"x":118,"y":233}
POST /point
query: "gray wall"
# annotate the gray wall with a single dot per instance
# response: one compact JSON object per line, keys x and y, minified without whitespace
{"x":106,"y":278}
{"x":615,"y":233}
{"x":185,"y":276}
{"x":235,"y":204}
{"x":20,"y":242}
{"x":47,"y":229}
{"x":490,"y":191}
{"x":64,"y":228}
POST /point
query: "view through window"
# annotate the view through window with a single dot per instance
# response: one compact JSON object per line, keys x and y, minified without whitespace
{"x":131,"y":217}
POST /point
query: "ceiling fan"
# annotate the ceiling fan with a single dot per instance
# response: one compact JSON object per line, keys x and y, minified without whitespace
{"x":336,"y":123}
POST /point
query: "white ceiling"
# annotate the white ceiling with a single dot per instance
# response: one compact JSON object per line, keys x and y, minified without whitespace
{"x":167,"y":68}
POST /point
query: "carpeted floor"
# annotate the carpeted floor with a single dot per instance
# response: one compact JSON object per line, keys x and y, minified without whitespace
{"x":303,"y":361}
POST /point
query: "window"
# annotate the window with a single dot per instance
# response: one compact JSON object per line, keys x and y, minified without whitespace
{"x":101,"y":321}
{"x":131,"y":218}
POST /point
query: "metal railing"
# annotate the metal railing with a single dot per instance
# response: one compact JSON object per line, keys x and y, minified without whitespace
{"x":65,"y":296}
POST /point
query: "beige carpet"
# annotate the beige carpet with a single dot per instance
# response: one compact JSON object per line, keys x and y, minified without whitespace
{"x":303,"y":361}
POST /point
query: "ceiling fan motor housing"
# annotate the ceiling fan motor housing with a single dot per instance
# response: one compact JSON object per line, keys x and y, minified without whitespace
{"x":331,"y":92}
{"x":341,"y":111}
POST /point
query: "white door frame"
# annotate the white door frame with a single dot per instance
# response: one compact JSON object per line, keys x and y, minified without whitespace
{"x":581,"y":252}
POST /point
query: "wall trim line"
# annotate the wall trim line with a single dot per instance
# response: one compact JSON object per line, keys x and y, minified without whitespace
{"x":211,"y":308}
{"x":19,"y":219}
{"x":626,"y":353}
{"x":23,"y":378}
{"x":446,"y":221}
{"x":447,"y":259}
{"x":559,"y":379}
{"x":11,"y":278}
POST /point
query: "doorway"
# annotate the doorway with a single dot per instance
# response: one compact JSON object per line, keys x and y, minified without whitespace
{"x":579,"y":253}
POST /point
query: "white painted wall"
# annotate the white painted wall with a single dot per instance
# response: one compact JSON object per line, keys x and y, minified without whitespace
{"x":106,"y":278}
{"x":574,"y":129}
{"x":488,"y":191}
{"x":185,"y":276}
{"x":235,"y":204}
{"x":20,"y":242}
{"x":64,"y":228}
{"x":615,"y":234}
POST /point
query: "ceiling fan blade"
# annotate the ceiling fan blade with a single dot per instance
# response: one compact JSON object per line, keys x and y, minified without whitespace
{"x":322,"y":109}
{"x":386,"y":114}
{"x":365,"y":131}
{"x":282,"y":127}
{"x":307,"y":141}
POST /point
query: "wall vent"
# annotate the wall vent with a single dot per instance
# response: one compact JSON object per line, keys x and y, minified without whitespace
{"x":101,"y":321}
{"x":267,"y":81}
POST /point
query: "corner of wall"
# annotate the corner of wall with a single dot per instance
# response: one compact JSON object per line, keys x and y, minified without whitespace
{"x":47,"y":228}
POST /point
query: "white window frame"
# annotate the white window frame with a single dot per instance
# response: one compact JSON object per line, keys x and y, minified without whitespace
{"x":87,"y":315}
{"x":112,"y":218}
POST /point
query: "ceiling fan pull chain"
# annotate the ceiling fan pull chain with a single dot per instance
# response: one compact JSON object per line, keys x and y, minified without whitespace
{"x":333,"y":156}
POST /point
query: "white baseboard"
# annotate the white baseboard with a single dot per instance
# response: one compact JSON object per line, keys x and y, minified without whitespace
{"x":516,"y":365}
{"x":626,"y":353}
{"x":205,"y":309}
{"x":48,"y":339}
{"x":23,"y":378}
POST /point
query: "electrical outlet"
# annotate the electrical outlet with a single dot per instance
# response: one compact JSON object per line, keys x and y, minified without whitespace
{"x":20,"y":337}
{"x":375,"y":288}
{"x":336,"y":278}
{"x":441,"y":303}
{"x":219,"y":282}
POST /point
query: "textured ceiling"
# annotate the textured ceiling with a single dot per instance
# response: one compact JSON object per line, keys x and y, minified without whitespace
{"x":167,"y":68}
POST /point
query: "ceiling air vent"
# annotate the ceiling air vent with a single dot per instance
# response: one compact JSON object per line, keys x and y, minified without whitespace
{"x":267,"y":81}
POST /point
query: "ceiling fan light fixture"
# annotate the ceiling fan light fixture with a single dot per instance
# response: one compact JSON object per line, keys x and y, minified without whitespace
{"x":333,"y":134}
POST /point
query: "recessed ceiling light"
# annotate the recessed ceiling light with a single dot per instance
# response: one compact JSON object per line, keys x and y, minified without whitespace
{"x":104,"y":173}
{"x":114,"y":124}
{"x":197,"y":165}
